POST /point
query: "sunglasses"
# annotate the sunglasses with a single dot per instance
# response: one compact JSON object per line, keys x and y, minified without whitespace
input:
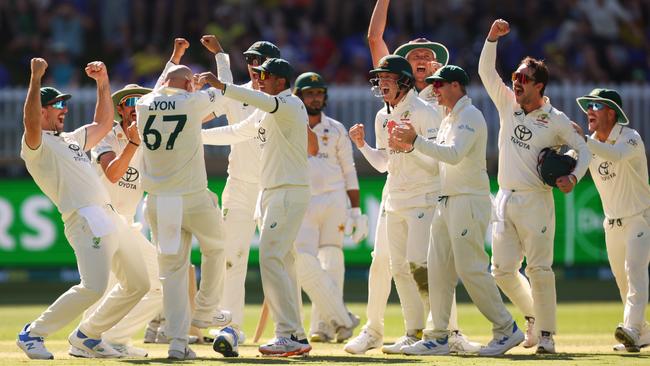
{"x":130,"y":101}
{"x":521,"y":77}
{"x":61,"y":104}
{"x":250,"y":59}
{"x":438,"y":84}
{"x":264,"y":75}
{"x":595,"y":106}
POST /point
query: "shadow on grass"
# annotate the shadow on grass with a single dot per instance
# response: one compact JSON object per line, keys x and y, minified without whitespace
{"x":556,"y":357}
{"x":284,"y":360}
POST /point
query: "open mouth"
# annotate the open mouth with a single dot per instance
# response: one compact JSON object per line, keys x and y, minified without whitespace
{"x":591,"y":119}
{"x":385,"y":91}
{"x":421,"y":69}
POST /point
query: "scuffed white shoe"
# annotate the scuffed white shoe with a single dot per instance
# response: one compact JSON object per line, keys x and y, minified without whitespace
{"x":129,"y":351}
{"x":345,"y":333}
{"x":320,"y":337}
{"x":222,"y":319}
{"x":629,"y":337}
{"x":499,"y":346}
{"x":362,"y":343}
{"x":459,"y":344}
{"x":95,"y":346}
{"x":79,"y":353}
{"x":227,"y":342}
{"x":531,"y":338}
{"x":34,"y":347}
{"x":285,"y":347}
{"x":546,"y":344}
{"x":179,"y":350}
{"x":429,"y":347}
{"x":396,"y":348}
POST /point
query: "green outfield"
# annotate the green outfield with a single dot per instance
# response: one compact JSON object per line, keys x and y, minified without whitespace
{"x":585,"y":338}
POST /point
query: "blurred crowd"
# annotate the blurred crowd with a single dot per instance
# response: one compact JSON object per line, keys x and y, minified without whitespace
{"x":581,"y":40}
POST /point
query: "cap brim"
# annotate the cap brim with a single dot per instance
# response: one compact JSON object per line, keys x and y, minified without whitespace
{"x":118,"y":95}
{"x":621,"y":118}
{"x":433,"y":78}
{"x":252,"y":52}
{"x":63,"y":97}
{"x":442,"y":53}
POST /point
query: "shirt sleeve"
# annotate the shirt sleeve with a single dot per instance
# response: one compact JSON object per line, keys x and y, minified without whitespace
{"x":103,"y":147}
{"x":453,"y":151}
{"x":211,"y":101}
{"x":79,"y":136}
{"x":27,"y":153}
{"x":223,"y":67}
{"x":378,"y":158}
{"x":267,"y":103}
{"x":346,"y":160}
{"x":501,"y":95}
{"x":231,"y":134}
{"x":576,"y":142}
{"x":625,"y":147}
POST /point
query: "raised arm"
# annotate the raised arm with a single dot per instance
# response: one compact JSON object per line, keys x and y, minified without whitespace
{"x":103,"y":119}
{"x":180,"y":45}
{"x":114,"y":166}
{"x":378,"y":48}
{"x":500,"y":93}
{"x":32,"y":108}
{"x":211,"y":43}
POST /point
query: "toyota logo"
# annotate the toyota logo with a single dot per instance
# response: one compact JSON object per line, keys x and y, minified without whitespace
{"x":131,"y":175}
{"x":523,"y":133}
{"x":73,"y":147}
{"x":603,"y":168}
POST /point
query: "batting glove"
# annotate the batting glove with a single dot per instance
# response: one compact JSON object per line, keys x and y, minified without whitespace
{"x":356,"y":225}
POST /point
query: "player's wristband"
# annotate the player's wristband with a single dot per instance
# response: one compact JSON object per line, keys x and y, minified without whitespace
{"x":136,"y":145}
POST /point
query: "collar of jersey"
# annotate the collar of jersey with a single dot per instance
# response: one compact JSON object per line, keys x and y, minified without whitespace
{"x":406,"y":101}
{"x":460,"y":104}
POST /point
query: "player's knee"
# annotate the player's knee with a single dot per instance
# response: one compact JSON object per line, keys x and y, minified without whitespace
{"x":420,"y":275}
{"x":500,"y":272}
{"x":535,"y":271}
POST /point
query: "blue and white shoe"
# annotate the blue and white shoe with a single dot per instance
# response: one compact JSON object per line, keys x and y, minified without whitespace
{"x":226,"y":342}
{"x":34,"y":347}
{"x":438,"y":346}
{"x":499,"y":346}
{"x":95,"y":347}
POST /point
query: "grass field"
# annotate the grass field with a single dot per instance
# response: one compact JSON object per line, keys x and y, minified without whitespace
{"x":585,"y":338}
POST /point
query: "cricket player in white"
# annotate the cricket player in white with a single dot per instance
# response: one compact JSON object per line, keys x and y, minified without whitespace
{"x":119,"y":162}
{"x":411,"y":187}
{"x":333,"y":181}
{"x":529,"y":123}
{"x":280,"y":124}
{"x":99,"y":236}
{"x":179,"y":204}
{"x":619,"y":169}
{"x":242,"y":185}
{"x":461,"y":218}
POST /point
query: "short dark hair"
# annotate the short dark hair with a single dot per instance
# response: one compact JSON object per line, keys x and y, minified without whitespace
{"x":540,"y":71}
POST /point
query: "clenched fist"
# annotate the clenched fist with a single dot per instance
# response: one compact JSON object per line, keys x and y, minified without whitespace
{"x":209,"y":78}
{"x":181,"y":44}
{"x":38,"y":66}
{"x":357,"y":135}
{"x":132,"y":133}
{"x":97,"y":70}
{"x":211,"y":42}
{"x":499,"y":28}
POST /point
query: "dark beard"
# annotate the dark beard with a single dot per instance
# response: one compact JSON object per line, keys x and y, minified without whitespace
{"x":313,"y":111}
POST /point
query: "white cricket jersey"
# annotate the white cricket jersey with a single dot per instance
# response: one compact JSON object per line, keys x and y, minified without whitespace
{"x":61,"y":168}
{"x":523,"y":136}
{"x":460,"y":148}
{"x":127,"y":192}
{"x":169,"y":121}
{"x":412,"y":177}
{"x":620,"y":172}
{"x":333,"y":167}
{"x":244,"y":157}
{"x":280,"y":125}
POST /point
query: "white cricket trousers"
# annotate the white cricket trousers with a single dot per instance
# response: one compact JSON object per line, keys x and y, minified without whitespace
{"x":529,"y":231}
{"x":457,"y":250}
{"x":323,"y":224}
{"x":628,"y":251}
{"x":282,"y":210}
{"x":96,"y":257}
{"x":201,"y":218}
{"x":238,"y":207}
{"x":147,"y":308}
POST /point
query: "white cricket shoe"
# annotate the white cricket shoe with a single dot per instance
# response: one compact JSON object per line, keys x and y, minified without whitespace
{"x":531,"y":339}
{"x":79,"y":353}
{"x":345,"y":333}
{"x":285,"y":347}
{"x":95,"y":346}
{"x":458,"y":343}
{"x":629,"y":337}
{"x":644,"y":341}
{"x":129,"y":351}
{"x":396,"y":348}
{"x":214,"y":332}
{"x":222,"y":319}
{"x":363,"y":342}
{"x":34,"y":347}
{"x":429,"y":347}
{"x":178,"y":350}
{"x":320,"y":337}
{"x":151,"y":331}
{"x":227,"y":342}
{"x":546,"y":344}
{"x":499,"y":346}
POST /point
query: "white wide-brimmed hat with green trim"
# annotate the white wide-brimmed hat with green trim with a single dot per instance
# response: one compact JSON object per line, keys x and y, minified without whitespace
{"x":118,"y":96}
{"x":441,"y":52}
{"x":610,"y":98}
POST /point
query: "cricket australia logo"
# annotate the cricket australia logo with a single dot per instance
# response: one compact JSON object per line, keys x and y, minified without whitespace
{"x":96,"y":241}
{"x":131,"y":175}
{"x":521,"y":135}
{"x":604,"y":171}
